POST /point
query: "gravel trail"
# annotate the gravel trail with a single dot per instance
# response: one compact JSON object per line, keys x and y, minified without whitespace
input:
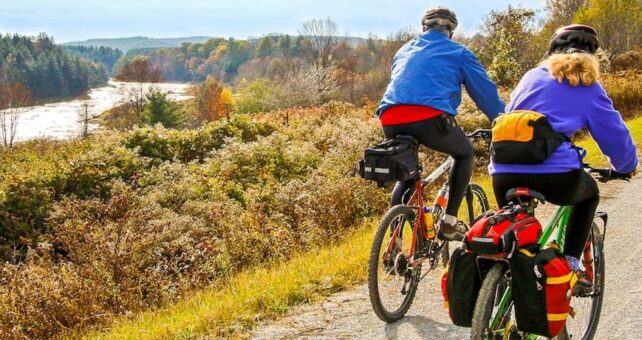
{"x":348,"y":314}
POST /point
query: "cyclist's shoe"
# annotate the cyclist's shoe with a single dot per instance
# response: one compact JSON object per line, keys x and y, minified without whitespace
{"x":583,"y":286}
{"x":448,"y":232}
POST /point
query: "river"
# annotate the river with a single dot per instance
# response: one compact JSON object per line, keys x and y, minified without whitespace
{"x":59,"y":120}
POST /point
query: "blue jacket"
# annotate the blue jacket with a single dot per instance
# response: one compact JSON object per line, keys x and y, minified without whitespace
{"x":429,"y":71}
{"x":570,"y":109}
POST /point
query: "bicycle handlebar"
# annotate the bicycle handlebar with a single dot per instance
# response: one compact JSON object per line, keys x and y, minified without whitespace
{"x":606,"y":174}
{"x":480,"y":134}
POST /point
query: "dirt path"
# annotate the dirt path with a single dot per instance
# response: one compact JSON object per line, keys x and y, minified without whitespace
{"x":348,"y":315}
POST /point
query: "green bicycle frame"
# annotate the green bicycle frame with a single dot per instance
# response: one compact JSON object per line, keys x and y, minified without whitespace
{"x":558,"y":221}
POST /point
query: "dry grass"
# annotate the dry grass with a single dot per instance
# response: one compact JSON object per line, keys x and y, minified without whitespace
{"x":231,"y":308}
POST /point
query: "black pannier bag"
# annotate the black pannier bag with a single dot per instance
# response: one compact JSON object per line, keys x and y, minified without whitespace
{"x":393,"y":160}
{"x":460,"y":284}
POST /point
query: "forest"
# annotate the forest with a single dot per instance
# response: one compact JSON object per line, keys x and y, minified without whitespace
{"x":45,"y":69}
{"x":102,"y":55}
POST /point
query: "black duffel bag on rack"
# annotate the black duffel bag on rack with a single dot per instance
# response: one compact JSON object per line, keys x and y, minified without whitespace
{"x":393,"y":160}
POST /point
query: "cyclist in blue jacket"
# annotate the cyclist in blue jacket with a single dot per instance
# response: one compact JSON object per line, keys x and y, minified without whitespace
{"x":422,"y":100}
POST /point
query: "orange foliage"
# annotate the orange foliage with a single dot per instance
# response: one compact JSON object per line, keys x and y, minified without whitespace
{"x":140,"y":70}
{"x":214,"y":101}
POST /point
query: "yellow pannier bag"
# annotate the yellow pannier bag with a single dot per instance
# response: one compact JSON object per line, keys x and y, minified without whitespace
{"x":523,"y":137}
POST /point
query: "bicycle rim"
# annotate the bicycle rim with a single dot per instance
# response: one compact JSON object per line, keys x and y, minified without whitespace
{"x":587,"y":308}
{"x":475,"y":204}
{"x":392,"y":282}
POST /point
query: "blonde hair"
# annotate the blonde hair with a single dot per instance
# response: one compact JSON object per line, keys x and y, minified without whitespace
{"x":577,"y":68}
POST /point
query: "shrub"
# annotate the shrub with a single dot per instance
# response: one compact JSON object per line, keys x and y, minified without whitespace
{"x":628,"y":61}
{"x":188,"y":145}
{"x":122,"y":223}
{"x":625,"y":89}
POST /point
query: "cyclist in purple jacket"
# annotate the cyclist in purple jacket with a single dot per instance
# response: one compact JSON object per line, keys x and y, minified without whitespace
{"x":566,"y":90}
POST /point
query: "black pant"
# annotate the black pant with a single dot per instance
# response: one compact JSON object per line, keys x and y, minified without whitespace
{"x":442,"y":135}
{"x":576,"y":188}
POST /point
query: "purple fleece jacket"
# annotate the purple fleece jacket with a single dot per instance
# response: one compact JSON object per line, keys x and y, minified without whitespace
{"x":570,"y":109}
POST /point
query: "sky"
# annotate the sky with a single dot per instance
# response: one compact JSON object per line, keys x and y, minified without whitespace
{"x":73,"y":20}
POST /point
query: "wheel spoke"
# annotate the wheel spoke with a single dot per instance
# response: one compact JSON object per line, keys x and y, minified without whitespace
{"x":392,"y":281}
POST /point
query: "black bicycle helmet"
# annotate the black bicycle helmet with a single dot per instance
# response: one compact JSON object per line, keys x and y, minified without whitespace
{"x":440,"y":16}
{"x":580,"y":38}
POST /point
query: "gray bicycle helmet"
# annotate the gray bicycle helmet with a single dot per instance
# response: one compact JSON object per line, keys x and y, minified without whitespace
{"x":440,"y":17}
{"x":575,"y":38}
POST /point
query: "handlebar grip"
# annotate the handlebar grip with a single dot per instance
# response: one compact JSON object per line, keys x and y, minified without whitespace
{"x":605,"y":174}
{"x":480,"y":134}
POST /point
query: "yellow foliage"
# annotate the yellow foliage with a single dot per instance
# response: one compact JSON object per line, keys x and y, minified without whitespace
{"x":617,"y":22}
{"x":214,"y":101}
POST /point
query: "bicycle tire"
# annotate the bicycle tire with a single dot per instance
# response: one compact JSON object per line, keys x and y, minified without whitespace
{"x":479,"y":194}
{"x":599,"y":270}
{"x":487,"y":295}
{"x":486,"y":300}
{"x":474,"y":193}
{"x":374,"y":265}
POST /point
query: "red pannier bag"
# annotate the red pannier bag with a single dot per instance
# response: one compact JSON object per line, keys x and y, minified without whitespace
{"x":501,"y":232}
{"x":542,"y":284}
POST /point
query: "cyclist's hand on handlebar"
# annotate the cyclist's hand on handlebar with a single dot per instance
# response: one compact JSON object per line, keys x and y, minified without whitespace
{"x":605,"y":175}
{"x":624,"y":176}
{"x":480,"y":134}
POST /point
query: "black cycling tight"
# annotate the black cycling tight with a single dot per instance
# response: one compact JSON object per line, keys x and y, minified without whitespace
{"x":575,"y":188}
{"x":439,"y":134}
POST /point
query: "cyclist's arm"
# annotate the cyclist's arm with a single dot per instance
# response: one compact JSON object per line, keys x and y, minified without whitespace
{"x":611,"y":133}
{"x":479,"y":86}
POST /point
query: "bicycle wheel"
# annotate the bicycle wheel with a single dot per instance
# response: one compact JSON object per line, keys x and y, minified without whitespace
{"x":475,"y":204}
{"x":391,"y":281}
{"x":488,"y":302}
{"x":588,"y":306}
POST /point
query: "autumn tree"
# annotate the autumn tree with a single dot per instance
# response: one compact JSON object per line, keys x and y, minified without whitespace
{"x":285,"y":44}
{"x":562,"y":12}
{"x":213,"y":100}
{"x":265,"y":48}
{"x":618,"y":22}
{"x":347,"y":69}
{"x":13,"y":97}
{"x":320,"y":42}
{"x":505,"y":44}
{"x":140,"y":70}
{"x":259,"y":95}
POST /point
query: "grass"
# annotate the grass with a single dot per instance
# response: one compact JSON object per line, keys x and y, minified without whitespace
{"x":234,"y":308}
{"x":265,"y":293}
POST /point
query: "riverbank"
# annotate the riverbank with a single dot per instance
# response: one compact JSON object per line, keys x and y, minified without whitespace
{"x":59,"y":120}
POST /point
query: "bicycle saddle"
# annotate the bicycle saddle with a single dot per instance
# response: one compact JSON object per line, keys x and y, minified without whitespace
{"x":407,"y":139}
{"x":524,"y":194}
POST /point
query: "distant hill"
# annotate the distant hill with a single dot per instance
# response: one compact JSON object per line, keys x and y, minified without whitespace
{"x":126,"y":44}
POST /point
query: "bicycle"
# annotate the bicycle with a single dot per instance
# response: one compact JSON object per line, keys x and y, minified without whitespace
{"x":395,"y":266}
{"x":494,"y":307}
